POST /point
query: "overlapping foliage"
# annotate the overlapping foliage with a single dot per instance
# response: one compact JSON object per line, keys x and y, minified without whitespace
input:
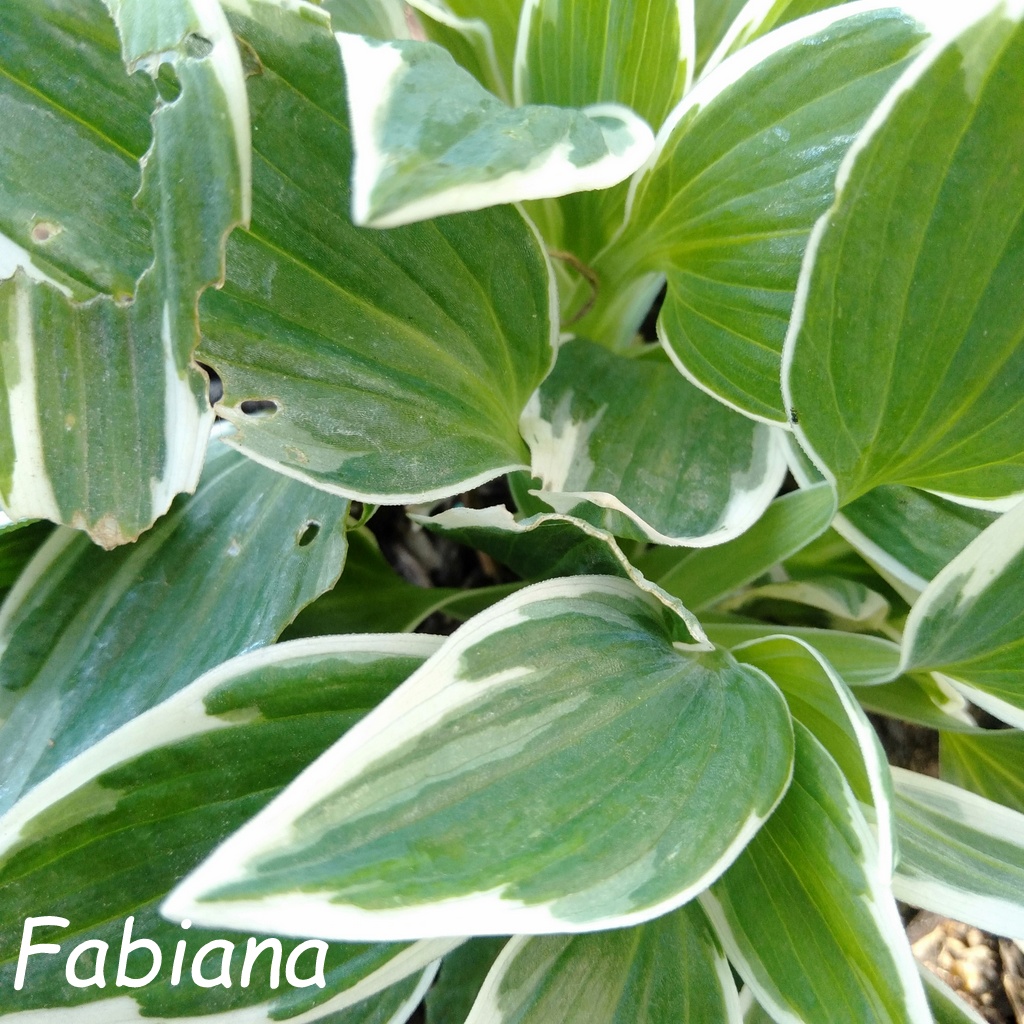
{"x":412,"y":245}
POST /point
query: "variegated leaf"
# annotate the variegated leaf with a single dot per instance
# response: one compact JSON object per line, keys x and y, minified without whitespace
{"x":469,"y":40}
{"x":861,"y":660}
{"x":921,"y":385}
{"x":919,"y":699}
{"x":568,"y":716}
{"x":806,"y":914}
{"x":430,"y":140}
{"x":961,"y":855}
{"x":546,"y":545}
{"x":699,"y":578}
{"x":462,"y":972}
{"x":969,"y":622}
{"x":668,"y":971}
{"x":910,"y":534}
{"x":845,"y":604}
{"x":709,"y":477}
{"x":741,"y":170}
{"x":107,"y":835}
{"x":90,"y":639}
{"x":572,"y":54}
{"x":820,"y":700}
{"x":94,"y":335}
{"x":758,"y":17}
{"x":389,"y":366}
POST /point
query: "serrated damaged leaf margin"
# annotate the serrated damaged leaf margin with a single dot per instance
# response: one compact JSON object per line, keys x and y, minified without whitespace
{"x":46,"y":477}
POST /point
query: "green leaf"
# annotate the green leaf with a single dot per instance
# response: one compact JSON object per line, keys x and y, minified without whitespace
{"x":18,"y":543}
{"x":668,"y":971}
{"x":713,"y":18}
{"x":108,"y":834}
{"x":848,"y":604}
{"x":469,"y":41}
{"x":969,"y":622}
{"x":371,"y":597}
{"x":961,"y":855}
{"x":701,"y":577}
{"x":921,"y":699}
{"x":861,"y":660}
{"x":819,"y":699}
{"x":947,"y":1007}
{"x":602,"y":51}
{"x":430,"y":140}
{"x":570,"y":765}
{"x":66,"y":362}
{"x":98,"y":121}
{"x":757,"y":18}
{"x":908,"y":533}
{"x":379,"y":19}
{"x":388,"y":366}
{"x":589,"y":427}
{"x":547,"y":545}
{"x":805,"y":914}
{"x":741,"y":170}
{"x":989,"y":763}
{"x":91,"y":639}
{"x":500,"y":19}
{"x":922,"y":385}
{"x":458,"y":983}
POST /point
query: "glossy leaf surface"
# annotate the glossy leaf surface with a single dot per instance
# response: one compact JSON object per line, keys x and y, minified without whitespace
{"x":562,"y":714}
{"x":742,"y":169}
{"x":391,"y":366}
{"x":922,"y":385}
{"x":86,"y":635}
{"x":806,"y":917}
{"x":111,"y":832}
{"x":710,"y":476}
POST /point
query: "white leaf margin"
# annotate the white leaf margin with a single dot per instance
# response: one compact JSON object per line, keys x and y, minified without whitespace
{"x":378,"y":67}
{"x":975,"y":812}
{"x":499,"y":518}
{"x":184,"y":715}
{"x":876,"y":767}
{"x":880,"y":904}
{"x":436,"y":691}
{"x":968,"y":575}
{"x":487,"y":1006}
{"x":476,"y":31}
{"x":945,"y":22}
{"x":555,"y":446}
{"x":938,"y":19}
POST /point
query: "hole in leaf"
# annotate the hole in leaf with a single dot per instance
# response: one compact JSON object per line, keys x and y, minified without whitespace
{"x":44,"y":230}
{"x":216,"y":384}
{"x":168,"y":85}
{"x":259,"y":408}
{"x":198,"y":47}
{"x":308,"y":534}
